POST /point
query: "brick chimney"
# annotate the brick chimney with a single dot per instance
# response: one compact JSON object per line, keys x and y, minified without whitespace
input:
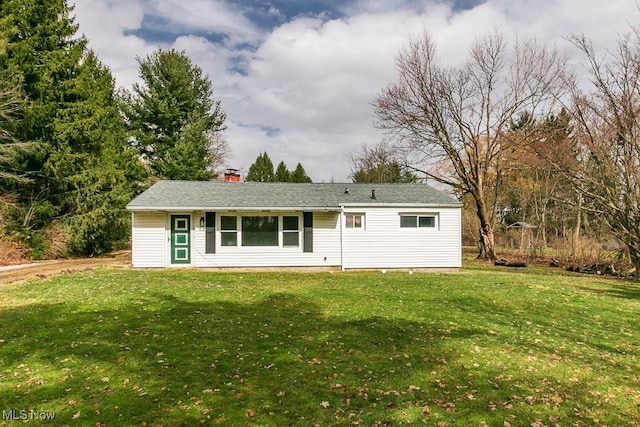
{"x":232,"y":175}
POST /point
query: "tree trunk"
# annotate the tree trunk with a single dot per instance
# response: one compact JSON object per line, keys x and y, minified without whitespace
{"x":576,"y":231}
{"x":486,"y":243}
{"x":634,"y":254}
{"x":486,"y":247}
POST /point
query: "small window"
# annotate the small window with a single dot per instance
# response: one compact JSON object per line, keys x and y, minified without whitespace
{"x":354,"y":220}
{"x":407,"y":221}
{"x":418,"y":221}
{"x":290,"y":231}
{"x":228,"y":231}
{"x":427,"y":221}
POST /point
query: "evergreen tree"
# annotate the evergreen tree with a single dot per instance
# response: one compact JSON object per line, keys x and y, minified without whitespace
{"x":103,"y":173}
{"x":261,"y":170}
{"x":81,"y":177}
{"x":299,"y":174}
{"x":282,"y":173}
{"x":377,"y":165}
{"x":174,"y":119}
{"x":386,"y":171}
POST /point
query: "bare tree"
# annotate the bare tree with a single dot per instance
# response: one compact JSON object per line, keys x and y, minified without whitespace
{"x":607,"y":140}
{"x":530,"y":182}
{"x":452,"y":121}
{"x":11,"y":148}
{"x":218,"y":150}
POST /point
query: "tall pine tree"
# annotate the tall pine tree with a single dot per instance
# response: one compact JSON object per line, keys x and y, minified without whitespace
{"x":103,"y":172}
{"x":82,"y":175}
{"x":174,"y":118}
{"x":282,"y":173}
{"x":261,"y":170}
{"x":299,"y":174}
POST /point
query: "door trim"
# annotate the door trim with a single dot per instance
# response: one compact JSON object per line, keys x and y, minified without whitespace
{"x":180,"y":239}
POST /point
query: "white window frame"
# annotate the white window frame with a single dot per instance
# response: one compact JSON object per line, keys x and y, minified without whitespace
{"x":282,"y":231}
{"x":435,"y":216}
{"x":238,"y":231}
{"x":354,"y":215}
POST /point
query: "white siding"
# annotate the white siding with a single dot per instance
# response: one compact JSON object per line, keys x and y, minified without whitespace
{"x":383,"y":244}
{"x":326,"y":246}
{"x":149,"y":239}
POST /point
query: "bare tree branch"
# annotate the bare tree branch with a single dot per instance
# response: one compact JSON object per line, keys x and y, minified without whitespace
{"x":450,"y":122}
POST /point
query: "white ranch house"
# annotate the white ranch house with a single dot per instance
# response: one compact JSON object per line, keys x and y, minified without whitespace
{"x":250,"y":224}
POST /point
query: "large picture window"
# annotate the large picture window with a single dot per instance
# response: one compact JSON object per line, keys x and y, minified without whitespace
{"x":259,"y":231}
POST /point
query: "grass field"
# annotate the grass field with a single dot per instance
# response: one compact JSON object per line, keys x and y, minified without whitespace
{"x":478,"y":347}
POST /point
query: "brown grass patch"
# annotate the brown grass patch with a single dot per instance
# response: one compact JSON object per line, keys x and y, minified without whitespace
{"x":58,"y":241}
{"x":12,"y":252}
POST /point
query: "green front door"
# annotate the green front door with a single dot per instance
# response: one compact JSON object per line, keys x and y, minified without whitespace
{"x":180,"y":239}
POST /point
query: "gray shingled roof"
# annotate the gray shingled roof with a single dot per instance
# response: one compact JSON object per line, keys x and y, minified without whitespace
{"x":203,"y":195}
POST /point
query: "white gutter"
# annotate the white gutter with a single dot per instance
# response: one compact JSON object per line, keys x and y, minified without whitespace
{"x":230,"y":209}
{"x":402,"y":205}
{"x":291,"y":208}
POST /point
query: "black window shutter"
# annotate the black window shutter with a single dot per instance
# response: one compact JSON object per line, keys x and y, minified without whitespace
{"x":307,"y":223}
{"x":210,"y":234}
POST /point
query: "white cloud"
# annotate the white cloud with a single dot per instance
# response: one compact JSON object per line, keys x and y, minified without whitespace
{"x":314,"y":79}
{"x":104,"y":23}
{"x":207,"y":15}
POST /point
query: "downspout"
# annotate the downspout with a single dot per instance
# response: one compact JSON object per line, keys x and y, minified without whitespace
{"x":133,"y":221}
{"x":341,"y":238}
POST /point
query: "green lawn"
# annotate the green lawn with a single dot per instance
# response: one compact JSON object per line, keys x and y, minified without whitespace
{"x":478,"y":347}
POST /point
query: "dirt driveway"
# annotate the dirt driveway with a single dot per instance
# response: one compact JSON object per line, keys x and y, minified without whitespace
{"x":45,"y":269}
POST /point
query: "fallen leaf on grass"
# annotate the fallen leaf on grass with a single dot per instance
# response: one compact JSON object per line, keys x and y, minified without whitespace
{"x":324,"y":404}
{"x":76,"y":415}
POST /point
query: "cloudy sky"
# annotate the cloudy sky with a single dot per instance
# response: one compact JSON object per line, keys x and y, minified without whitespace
{"x":297,"y":77}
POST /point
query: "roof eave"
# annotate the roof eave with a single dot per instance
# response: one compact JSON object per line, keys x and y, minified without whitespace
{"x":233,"y":208}
{"x":403,"y":205}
